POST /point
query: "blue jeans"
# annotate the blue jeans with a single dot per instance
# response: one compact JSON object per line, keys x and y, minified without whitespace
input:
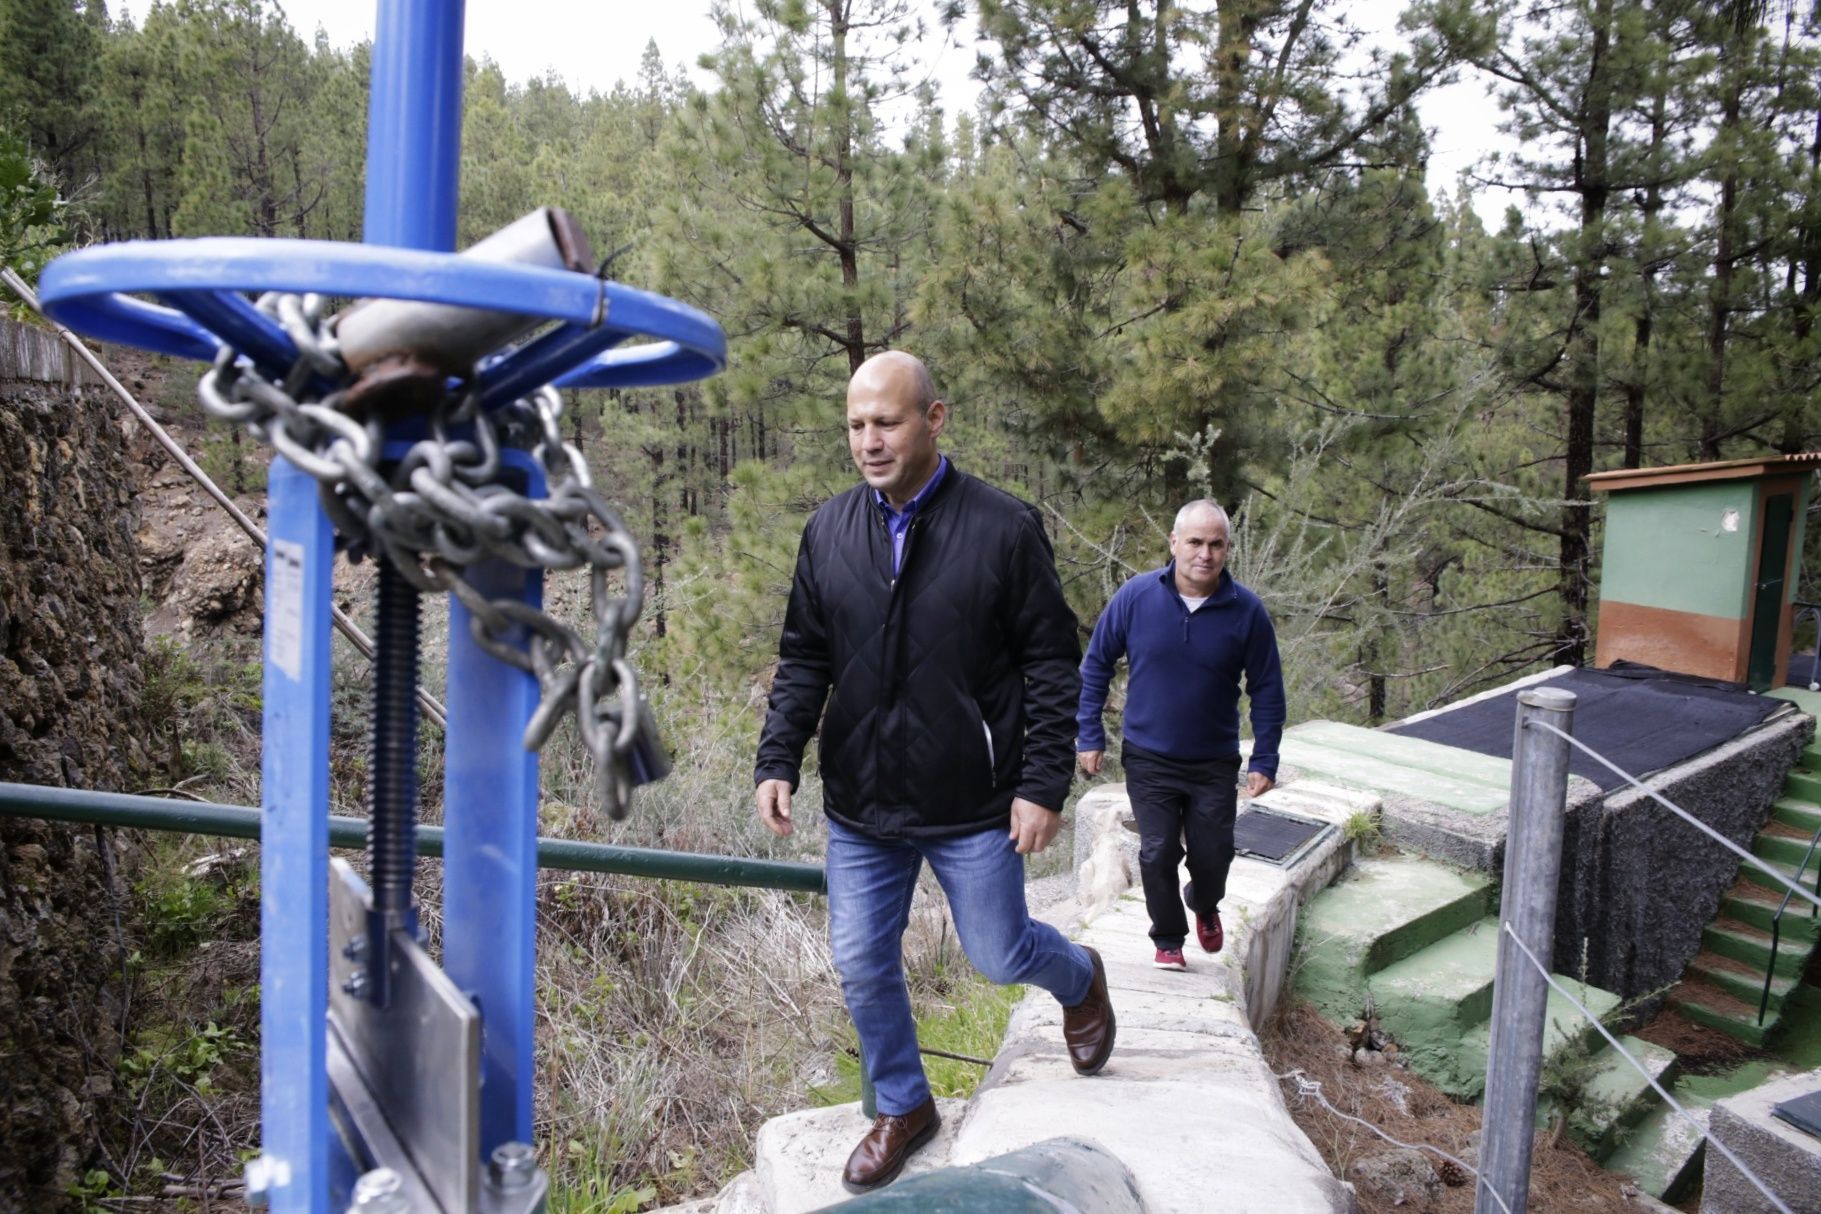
{"x":870,"y":882}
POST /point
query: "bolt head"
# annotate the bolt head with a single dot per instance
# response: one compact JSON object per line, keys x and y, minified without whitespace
{"x":512,"y":1166}
{"x":357,"y":985}
{"x":263,"y":1174}
{"x":380,"y":1191}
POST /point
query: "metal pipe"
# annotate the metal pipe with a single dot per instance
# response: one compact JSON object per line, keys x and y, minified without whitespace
{"x":242,"y":822}
{"x":1520,"y":994}
{"x":414,"y":125}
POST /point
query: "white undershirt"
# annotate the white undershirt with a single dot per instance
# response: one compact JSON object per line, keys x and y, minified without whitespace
{"x":1190,"y":603}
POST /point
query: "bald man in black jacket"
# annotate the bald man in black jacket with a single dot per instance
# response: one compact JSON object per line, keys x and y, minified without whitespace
{"x":927,"y":615}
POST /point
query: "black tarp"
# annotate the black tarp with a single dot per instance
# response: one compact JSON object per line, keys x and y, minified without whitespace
{"x":1640,"y":718}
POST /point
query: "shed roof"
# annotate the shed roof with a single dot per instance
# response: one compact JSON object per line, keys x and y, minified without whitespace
{"x":1721,"y":470}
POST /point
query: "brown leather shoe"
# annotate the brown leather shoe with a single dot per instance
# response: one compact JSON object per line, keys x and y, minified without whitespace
{"x":881,"y":1154}
{"x":1088,"y":1027}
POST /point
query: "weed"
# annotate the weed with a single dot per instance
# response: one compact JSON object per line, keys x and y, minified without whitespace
{"x":1363,"y":831}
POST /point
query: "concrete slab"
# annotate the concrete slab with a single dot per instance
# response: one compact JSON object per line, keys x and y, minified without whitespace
{"x":1160,"y":1126}
{"x":1385,"y":763}
{"x":800,"y":1155}
{"x":1808,"y":701}
{"x":1785,"y":1159}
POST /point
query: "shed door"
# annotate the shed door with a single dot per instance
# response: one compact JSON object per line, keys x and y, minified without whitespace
{"x":1769,"y":594}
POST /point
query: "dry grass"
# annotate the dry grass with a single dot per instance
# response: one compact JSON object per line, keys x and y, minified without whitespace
{"x":1563,"y":1180}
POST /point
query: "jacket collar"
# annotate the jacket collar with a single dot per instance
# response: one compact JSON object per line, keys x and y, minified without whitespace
{"x":1223,"y":589}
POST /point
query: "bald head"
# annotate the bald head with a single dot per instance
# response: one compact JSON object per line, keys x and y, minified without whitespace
{"x":1201,"y":508}
{"x":893,"y":418}
{"x":895,"y":373}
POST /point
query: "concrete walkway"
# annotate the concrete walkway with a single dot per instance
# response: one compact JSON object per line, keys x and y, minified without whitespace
{"x":1187,"y":1102}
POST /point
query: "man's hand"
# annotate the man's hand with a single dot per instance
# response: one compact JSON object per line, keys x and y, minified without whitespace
{"x":1258,"y":784}
{"x":1033,"y":826}
{"x":773,"y":797}
{"x":1090,"y":761}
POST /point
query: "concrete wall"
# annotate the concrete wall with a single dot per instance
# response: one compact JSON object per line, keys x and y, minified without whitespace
{"x":1639,"y":883}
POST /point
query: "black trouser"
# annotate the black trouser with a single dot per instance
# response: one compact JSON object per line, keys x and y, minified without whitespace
{"x":1174,"y":800}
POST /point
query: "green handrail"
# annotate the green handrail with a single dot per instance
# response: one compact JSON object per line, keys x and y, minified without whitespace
{"x":242,"y":822}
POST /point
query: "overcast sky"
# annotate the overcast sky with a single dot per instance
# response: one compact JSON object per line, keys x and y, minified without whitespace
{"x":594,"y":45}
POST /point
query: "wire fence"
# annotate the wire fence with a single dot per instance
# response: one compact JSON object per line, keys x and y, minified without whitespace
{"x":1539,"y":786}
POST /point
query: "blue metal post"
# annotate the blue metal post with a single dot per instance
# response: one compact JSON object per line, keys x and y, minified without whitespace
{"x":490,"y":856}
{"x":490,"y":797}
{"x":414,"y":124}
{"x":294,"y":856}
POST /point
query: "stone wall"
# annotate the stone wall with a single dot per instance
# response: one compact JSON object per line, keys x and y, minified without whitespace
{"x":1638,"y":883}
{"x":70,"y":688}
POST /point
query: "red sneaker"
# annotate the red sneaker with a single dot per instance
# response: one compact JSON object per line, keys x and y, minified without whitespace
{"x":1170,"y":959}
{"x":1208,"y":932}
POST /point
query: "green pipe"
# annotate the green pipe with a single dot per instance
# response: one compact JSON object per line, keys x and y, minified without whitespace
{"x":242,"y":822}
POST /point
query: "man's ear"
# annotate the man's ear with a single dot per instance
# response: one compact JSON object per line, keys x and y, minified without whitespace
{"x":936,"y":416}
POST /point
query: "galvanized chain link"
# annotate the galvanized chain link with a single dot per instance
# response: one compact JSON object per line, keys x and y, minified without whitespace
{"x":442,"y":507}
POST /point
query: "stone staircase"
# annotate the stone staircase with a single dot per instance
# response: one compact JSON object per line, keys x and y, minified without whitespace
{"x":1725,"y":983}
{"x":1413,"y":944}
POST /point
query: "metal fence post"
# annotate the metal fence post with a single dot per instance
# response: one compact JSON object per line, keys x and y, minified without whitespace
{"x":1533,"y":858}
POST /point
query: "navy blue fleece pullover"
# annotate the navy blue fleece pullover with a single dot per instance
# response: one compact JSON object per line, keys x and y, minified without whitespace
{"x":1182,"y":699}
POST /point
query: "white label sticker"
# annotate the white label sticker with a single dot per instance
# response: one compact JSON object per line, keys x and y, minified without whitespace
{"x":284,"y":608}
{"x":1729,"y":520}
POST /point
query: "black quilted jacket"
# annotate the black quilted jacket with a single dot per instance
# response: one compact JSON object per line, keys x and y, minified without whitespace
{"x":954,"y":689}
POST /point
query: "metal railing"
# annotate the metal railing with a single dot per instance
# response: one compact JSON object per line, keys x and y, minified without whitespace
{"x":242,"y":822}
{"x":1776,"y":922}
{"x":1539,"y":780}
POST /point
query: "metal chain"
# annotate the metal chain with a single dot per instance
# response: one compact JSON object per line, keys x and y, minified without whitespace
{"x":441,"y":508}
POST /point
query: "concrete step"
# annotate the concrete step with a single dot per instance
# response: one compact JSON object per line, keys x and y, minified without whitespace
{"x":1787,"y":869}
{"x":1706,"y":1004}
{"x":1803,"y":814}
{"x":1741,"y":981}
{"x":1751,"y":946}
{"x":1662,"y":1153}
{"x":1810,"y":758}
{"x":1437,"y":1002}
{"x":1616,"y":1096}
{"x":1785,"y":844}
{"x":1382,"y":911}
{"x":1756,"y":905}
{"x":1803,"y":784}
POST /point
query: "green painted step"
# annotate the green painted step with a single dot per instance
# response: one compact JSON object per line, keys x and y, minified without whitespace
{"x":1738,"y":1022}
{"x":1388,"y":763}
{"x":1796,"y":812}
{"x":1810,"y":758}
{"x":1616,"y":1095}
{"x":1756,"y":905}
{"x":1381,"y":911}
{"x":1437,"y":1002}
{"x":1786,"y":850}
{"x":1662,"y":1153}
{"x":1751,"y":946}
{"x":1563,"y":1025}
{"x":1803,"y":784}
{"x":1746,"y":987}
{"x":1757,"y":876}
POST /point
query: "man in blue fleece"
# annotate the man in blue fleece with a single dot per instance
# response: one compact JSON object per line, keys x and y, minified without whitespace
{"x":1189,"y":634}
